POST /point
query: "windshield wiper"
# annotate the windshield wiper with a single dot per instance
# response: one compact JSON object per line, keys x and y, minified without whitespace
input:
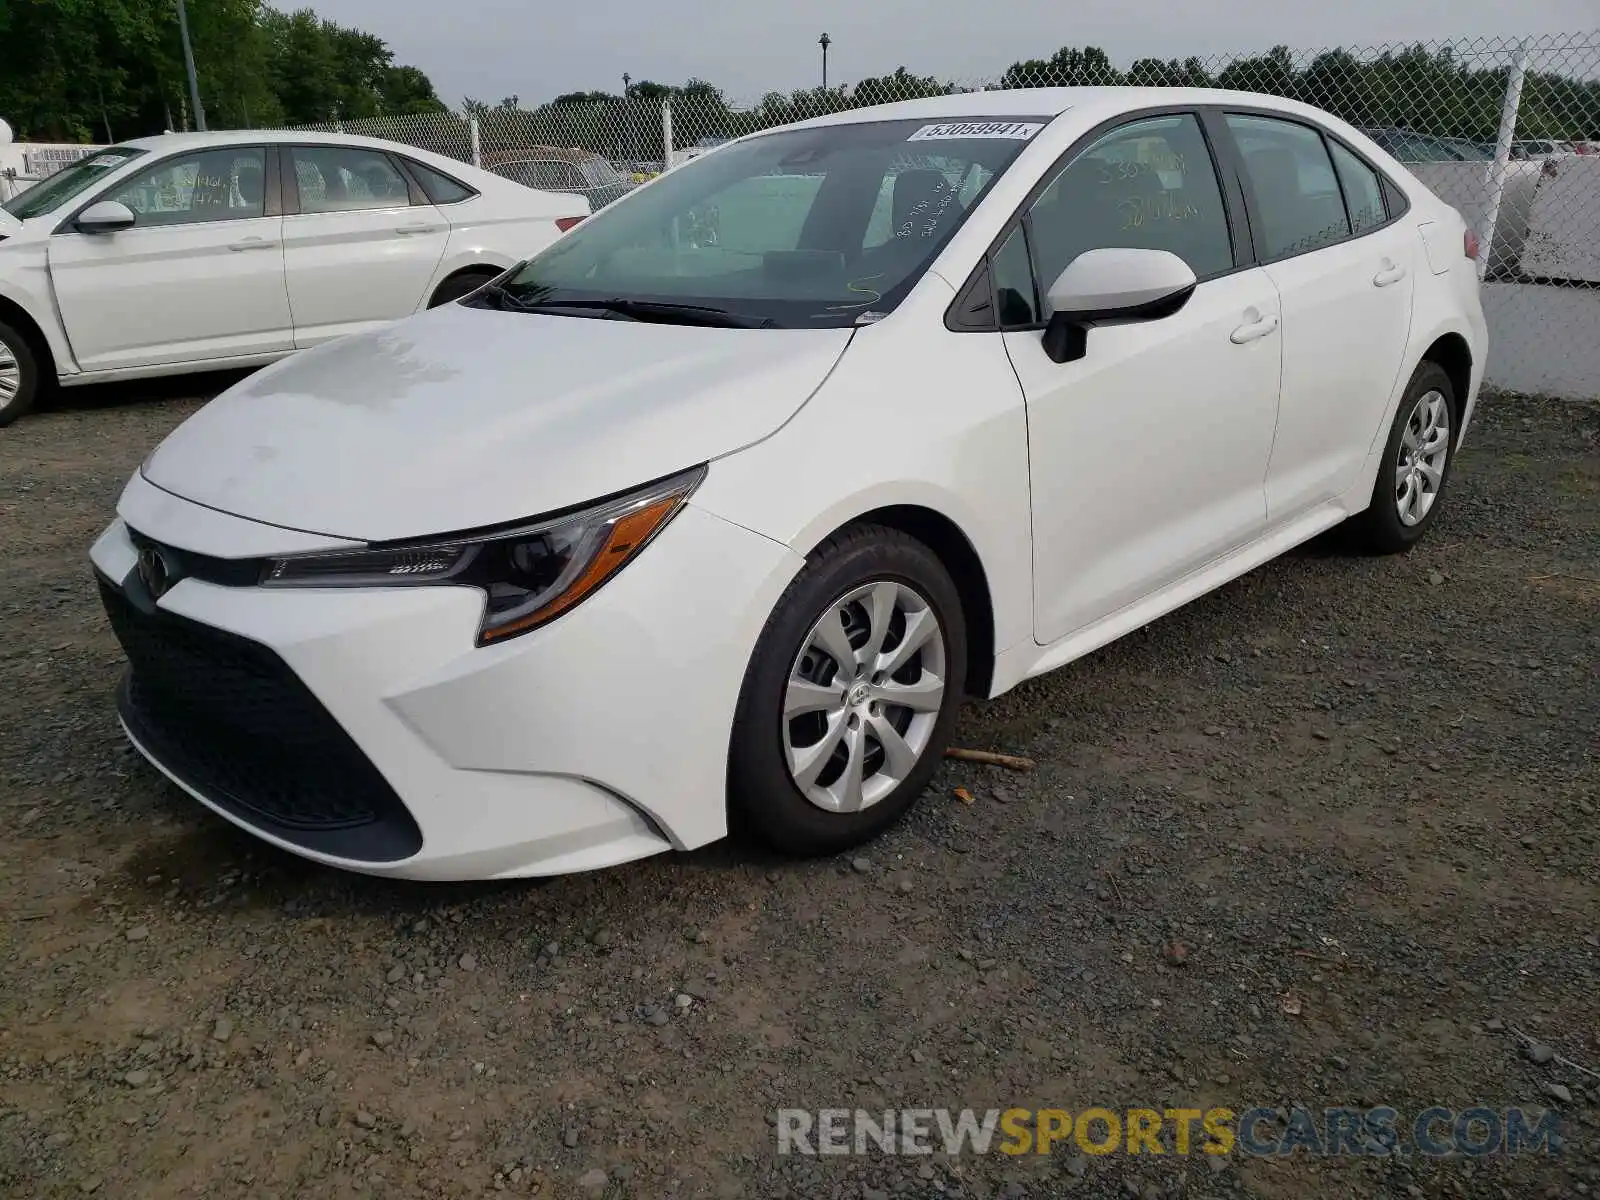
{"x":496,"y":295}
{"x":679,"y":314}
{"x":635,"y":310}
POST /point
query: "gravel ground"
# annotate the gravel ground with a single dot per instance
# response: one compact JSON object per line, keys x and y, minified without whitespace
{"x":1325,"y":837}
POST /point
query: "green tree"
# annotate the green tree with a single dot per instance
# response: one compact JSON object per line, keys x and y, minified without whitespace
{"x":404,"y":91}
{"x":113,"y":69}
{"x":1067,"y":67}
{"x":901,"y":85}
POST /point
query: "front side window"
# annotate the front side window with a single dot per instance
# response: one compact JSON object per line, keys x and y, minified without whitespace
{"x":1297,"y":193}
{"x":1148,"y":185}
{"x":50,"y":194}
{"x":347,"y":179}
{"x":1014,"y":301}
{"x":800,"y":227}
{"x":214,"y":185}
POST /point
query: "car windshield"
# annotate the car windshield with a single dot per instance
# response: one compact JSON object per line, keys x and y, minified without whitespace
{"x":50,"y":194}
{"x":601,"y":173}
{"x":829,"y":225}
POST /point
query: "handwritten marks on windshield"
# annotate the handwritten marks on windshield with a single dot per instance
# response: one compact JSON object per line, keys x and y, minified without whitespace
{"x":858,"y":287}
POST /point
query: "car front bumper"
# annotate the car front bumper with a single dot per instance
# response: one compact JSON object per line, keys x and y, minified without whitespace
{"x":364,"y":729}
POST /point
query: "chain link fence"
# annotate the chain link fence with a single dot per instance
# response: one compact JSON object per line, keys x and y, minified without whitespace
{"x":1505,"y":130}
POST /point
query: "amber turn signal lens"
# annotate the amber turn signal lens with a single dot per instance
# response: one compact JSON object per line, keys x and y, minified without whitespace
{"x":626,"y":536}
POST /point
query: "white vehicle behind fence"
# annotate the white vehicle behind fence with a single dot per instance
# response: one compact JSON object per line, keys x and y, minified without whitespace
{"x":188,"y":252}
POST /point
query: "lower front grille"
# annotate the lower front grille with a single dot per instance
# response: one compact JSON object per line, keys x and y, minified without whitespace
{"x":227,"y":717}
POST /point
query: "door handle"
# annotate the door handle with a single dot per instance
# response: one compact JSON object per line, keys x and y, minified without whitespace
{"x":1391,"y":273}
{"x":254,"y":243}
{"x":410,"y":229}
{"x":1259,"y":328}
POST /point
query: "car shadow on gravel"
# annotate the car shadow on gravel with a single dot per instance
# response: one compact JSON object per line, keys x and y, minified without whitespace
{"x":203,"y":849}
{"x":94,"y":397}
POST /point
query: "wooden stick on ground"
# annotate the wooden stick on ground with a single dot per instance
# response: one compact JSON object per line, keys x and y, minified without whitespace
{"x":1011,"y":762}
{"x":1562,"y":575}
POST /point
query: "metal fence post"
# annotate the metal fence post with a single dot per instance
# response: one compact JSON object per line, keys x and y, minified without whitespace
{"x":1502,"y":156}
{"x":477,"y":144}
{"x":666,"y":133}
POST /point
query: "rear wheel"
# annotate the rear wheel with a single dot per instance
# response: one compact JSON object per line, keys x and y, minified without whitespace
{"x":461,"y":285}
{"x":19,"y":375}
{"x":851,"y":695}
{"x":1415,"y":468}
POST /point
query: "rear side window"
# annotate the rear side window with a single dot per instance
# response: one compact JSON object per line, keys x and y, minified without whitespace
{"x":347,"y":179}
{"x":550,"y":175}
{"x":1297,"y":193}
{"x":437,"y":186}
{"x":1147,"y":185}
{"x":1363,"y":194}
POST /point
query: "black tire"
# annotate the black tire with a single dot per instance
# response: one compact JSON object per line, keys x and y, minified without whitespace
{"x":1379,"y":529}
{"x":461,"y":285}
{"x":14,"y":348}
{"x":764,"y":799}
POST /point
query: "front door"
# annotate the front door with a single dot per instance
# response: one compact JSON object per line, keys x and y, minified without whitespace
{"x":1147,"y":455}
{"x":198,"y":277}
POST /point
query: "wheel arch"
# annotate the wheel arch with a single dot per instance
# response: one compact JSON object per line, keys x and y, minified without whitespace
{"x":1451,"y":352}
{"x":960,"y":558}
{"x":14,"y":315}
{"x":484,"y":268}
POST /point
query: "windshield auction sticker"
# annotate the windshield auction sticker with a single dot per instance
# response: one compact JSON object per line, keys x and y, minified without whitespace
{"x":1017,"y":131}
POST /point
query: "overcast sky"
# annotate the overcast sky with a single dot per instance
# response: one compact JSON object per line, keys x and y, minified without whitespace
{"x":536,"y":49}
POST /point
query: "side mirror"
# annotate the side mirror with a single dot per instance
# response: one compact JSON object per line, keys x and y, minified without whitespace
{"x":1112,"y":285}
{"x":106,"y":216}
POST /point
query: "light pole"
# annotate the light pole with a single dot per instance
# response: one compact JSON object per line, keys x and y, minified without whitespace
{"x":188,"y":62}
{"x":627,"y":119}
{"x":824,"y":41}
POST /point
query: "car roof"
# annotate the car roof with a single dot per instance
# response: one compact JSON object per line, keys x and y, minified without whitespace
{"x":1052,"y":102}
{"x":522,"y":154}
{"x":233,"y":137}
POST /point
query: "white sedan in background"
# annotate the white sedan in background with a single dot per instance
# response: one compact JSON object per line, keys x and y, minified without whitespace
{"x":655,"y":533}
{"x":190,"y":252}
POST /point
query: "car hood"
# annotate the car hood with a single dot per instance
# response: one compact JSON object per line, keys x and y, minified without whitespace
{"x":464,"y":417}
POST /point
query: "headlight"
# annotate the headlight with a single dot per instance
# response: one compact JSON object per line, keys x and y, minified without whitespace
{"x":530,"y":574}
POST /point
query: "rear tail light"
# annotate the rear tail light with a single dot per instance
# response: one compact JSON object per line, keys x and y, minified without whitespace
{"x":1469,"y":244}
{"x":566,"y":223}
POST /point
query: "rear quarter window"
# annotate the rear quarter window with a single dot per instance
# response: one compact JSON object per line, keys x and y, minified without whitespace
{"x":437,"y":186}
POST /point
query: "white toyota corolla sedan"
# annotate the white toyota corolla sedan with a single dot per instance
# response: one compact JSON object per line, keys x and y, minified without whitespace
{"x":193,"y":251}
{"x":710,"y":513}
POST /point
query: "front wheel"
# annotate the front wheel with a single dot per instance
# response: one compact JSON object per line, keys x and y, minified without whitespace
{"x":1415,"y":467}
{"x":851,"y":696}
{"x":19,"y":375}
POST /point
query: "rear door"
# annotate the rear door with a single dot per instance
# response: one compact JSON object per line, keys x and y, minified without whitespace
{"x":198,"y":277}
{"x":1344,"y":270}
{"x":361,"y":243}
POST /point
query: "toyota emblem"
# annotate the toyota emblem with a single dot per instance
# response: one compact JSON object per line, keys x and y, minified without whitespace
{"x":153,"y":572}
